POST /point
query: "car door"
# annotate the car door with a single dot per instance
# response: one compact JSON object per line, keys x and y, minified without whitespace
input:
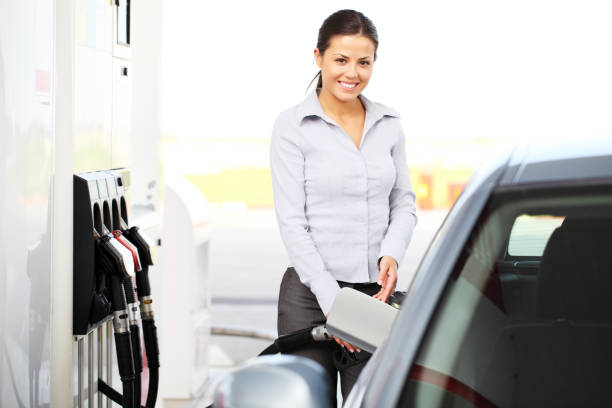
{"x":525,"y":317}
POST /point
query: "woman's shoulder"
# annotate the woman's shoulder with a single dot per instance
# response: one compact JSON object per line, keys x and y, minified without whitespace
{"x":286,"y":118}
{"x":288,"y":114}
{"x":293,"y":116}
{"x":286,"y":125}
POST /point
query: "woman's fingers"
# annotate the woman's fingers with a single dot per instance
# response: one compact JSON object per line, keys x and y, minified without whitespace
{"x":382,"y":275}
{"x":388,"y":289}
{"x":378,"y":295}
{"x":348,"y":346}
{"x":387,"y":278}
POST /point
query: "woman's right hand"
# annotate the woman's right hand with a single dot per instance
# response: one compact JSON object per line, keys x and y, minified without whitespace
{"x":349,"y":346}
{"x":342,"y":343}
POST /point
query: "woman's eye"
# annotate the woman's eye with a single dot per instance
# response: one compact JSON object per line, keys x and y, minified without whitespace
{"x":365,"y":62}
{"x":340,"y":60}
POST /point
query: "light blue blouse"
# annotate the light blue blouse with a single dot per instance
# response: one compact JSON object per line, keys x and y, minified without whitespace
{"x":339,"y":208}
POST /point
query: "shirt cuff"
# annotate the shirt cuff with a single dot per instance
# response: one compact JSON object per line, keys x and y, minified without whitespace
{"x":396,"y":253}
{"x":325,"y":288}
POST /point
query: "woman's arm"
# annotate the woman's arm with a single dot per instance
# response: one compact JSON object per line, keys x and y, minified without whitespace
{"x":287,"y":167}
{"x":402,"y":220}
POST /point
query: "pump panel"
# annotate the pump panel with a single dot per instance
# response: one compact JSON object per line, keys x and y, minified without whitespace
{"x":99,"y":206}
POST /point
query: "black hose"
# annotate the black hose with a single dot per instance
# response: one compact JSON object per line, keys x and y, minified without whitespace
{"x":126,"y":367}
{"x":271,"y":349}
{"x":129,"y":291}
{"x":111,"y":393}
{"x":137,"y":357}
{"x":128,"y":394}
{"x":137,"y":391}
{"x":152,"y":350}
{"x":153,"y":387}
{"x":142,"y":282}
{"x":135,"y":337}
{"x":294,"y":341}
{"x":123,"y":343}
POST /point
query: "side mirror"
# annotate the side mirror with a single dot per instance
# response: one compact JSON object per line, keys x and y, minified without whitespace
{"x":276,"y":381}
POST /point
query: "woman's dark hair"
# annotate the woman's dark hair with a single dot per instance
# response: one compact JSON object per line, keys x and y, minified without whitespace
{"x":344,"y":22}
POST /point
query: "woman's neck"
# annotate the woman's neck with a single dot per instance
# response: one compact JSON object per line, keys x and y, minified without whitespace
{"x":335,"y":108}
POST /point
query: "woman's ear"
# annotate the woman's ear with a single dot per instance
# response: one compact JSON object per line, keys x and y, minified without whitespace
{"x":318,"y":57}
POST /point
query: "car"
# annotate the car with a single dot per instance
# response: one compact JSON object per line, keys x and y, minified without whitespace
{"x":511,"y":305}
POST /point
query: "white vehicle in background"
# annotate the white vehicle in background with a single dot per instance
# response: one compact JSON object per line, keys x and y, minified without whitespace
{"x":510,"y":307}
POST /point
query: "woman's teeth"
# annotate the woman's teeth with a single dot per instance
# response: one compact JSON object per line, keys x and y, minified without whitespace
{"x":347,"y":86}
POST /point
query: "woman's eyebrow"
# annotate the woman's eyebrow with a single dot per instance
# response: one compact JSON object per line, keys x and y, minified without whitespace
{"x":344,"y":56}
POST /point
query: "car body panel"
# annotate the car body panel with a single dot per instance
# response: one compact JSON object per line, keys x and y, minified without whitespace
{"x":383,"y":378}
{"x":571,"y":160}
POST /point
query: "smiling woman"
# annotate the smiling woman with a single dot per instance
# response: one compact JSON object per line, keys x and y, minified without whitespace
{"x":341,"y":33}
{"x":347,"y":64}
{"x":342,"y":192}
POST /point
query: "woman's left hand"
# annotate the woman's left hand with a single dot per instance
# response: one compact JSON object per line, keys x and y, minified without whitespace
{"x":387,"y":278}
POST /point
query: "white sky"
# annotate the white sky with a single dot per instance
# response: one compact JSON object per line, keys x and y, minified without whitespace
{"x":454,"y":69}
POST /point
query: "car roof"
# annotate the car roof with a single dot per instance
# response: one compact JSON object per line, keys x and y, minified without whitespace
{"x":587,"y":159}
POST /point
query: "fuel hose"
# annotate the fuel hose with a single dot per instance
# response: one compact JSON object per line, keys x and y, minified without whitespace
{"x":149,"y":330}
{"x":134,"y":318}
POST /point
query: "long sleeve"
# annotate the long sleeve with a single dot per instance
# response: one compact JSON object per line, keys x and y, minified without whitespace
{"x":287,"y":168}
{"x":402,"y":209}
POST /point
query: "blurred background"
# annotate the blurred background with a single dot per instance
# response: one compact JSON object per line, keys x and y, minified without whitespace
{"x":467,"y":77}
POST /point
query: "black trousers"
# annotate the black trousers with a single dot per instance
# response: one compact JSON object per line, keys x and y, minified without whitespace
{"x":298,"y":309}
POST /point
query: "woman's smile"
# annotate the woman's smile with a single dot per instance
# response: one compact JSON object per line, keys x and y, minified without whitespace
{"x":348,"y":86}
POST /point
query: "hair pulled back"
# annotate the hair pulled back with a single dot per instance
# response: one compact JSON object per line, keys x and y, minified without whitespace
{"x":344,"y":22}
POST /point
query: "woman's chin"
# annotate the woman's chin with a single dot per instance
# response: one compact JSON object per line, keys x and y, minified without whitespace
{"x":344,"y":96}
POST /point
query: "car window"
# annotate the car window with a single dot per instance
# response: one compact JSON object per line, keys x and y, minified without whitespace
{"x":530,"y":234}
{"x":499,"y":338}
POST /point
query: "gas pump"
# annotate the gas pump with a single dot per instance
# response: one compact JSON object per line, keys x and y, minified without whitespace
{"x":105,"y":267}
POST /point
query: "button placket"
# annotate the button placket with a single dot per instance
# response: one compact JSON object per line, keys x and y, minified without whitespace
{"x":365,"y":218}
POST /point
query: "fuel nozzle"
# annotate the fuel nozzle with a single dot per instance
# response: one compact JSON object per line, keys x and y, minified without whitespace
{"x":396,"y":299}
{"x":122,"y":258}
{"x":117,"y":234}
{"x":140,"y":241}
{"x":113,"y":261}
{"x":143,"y":286}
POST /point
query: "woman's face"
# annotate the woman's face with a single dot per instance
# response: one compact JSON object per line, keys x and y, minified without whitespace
{"x":346,"y":65}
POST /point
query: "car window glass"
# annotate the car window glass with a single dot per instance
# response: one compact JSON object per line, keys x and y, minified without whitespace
{"x":500,"y":338}
{"x":530,"y":234}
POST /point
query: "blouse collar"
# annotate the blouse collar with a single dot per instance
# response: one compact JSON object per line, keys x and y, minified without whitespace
{"x":312,"y":107}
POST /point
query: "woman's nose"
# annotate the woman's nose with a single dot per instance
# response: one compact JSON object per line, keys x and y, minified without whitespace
{"x":351,"y":71}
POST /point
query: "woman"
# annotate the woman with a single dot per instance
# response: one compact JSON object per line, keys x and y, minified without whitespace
{"x":342,"y":193}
